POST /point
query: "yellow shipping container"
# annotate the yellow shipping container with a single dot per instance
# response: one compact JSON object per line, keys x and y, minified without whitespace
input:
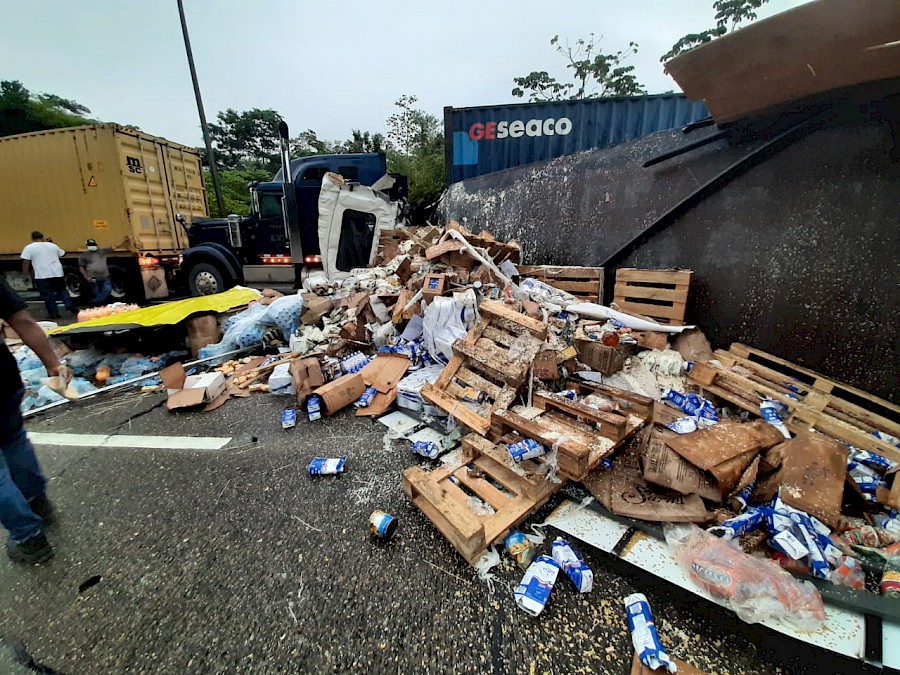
{"x":119,"y":186}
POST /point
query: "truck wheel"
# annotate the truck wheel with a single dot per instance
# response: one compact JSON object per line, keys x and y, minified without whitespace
{"x":206,"y":279}
{"x":121,"y":288}
{"x":78,"y":288}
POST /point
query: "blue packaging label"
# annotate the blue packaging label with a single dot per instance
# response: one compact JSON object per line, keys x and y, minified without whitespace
{"x":427,"y":449}
{"x":323,"y":466}
{"x":314,"y":408}
{"x":644,"y":636}
{"x":289,"y":418}
{"x":526,"y":449}
{"x":534,"y":590}
{"x":573,"y":565}
{"x":367,"y":397}
{"x":380,"y":524}
{"x":739,"y":525}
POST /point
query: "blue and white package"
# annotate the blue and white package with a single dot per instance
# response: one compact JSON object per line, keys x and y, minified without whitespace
{"x":868,"y":484}
{"x":289,"y":418}
{"x":818,"y":566}
{"x":644,"y":636}
{"x":324,"y":466}
{"x":367,"y":397}
{"x":887,"y":438}
{"x":570,"y":394}
{"x":526,"y":449}
{"x":776,"y":522}
{"x":684,"y":425}
{"x":573,"y":565}
{"x":427,"y":449}
{"x":771,"y":412}
{"x":314,"y":408}
{"x":693,"y":405}
{"x":739,"y":525}
{"x":533,"y":591}
{"x":854,"y":468}
{"x":742,"y":498}
{"x":872,"y":460}
{"x":787,"y":543}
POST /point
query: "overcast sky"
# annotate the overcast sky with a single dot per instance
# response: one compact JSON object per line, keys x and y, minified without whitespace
{"x":331,"y":67}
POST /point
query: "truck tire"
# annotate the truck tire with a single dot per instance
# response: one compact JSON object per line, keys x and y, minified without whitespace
{"x":122,"y":288}
{"x":79,"y":289}
{"x":206,"y":278}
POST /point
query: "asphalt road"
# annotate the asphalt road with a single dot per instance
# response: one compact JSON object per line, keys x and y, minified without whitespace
{"x":236,"y":561}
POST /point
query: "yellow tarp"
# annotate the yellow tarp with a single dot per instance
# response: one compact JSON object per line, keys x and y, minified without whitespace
{"x":167,"y":313}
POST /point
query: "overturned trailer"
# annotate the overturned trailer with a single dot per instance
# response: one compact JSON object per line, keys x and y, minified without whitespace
{"x":786,"y":215}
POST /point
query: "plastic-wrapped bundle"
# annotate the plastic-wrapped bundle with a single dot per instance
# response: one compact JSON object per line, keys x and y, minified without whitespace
{"x":285,"y":313}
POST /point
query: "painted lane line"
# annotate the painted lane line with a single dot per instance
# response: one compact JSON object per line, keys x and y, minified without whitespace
{"x":123,"y":441}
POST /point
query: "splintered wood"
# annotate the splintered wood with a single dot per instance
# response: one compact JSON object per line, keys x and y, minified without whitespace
{"x":453,"y":496}
{"x":585,"y":283}
{"x":488,"y":366}
{"x":747,"y":375}
{"x":660,"y":295}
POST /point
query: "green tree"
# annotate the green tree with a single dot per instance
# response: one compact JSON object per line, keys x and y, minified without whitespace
{"x":596,"y":74}
{"x":415,"y":148}
{"x":729,"y":15}
{"x":363,"y":141}
{"x":235,"y":189}
{"x":21,"y":111}
{"x":247,"y":140}
{"x":308,"y":143}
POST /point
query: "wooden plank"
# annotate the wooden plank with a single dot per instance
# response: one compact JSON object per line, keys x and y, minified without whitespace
{"x":576,"y":409}
{"x":637,"y":404}
{"x":482,"y":489}
{"x":666,"y":276}
{"x":574,"y":286}
{"x":499,"y":336}
{"x":499,"y":525}
{"x":674,"y":312}
{"x":499,"y":310}
{"x":435,"y":494}
{"x":448,"y":372}
{"x":494,"y":365}
{"x":475,"y":380}
{"x":449,"y":246}
{"x":626,"y":291}
{"x":457,"y":409}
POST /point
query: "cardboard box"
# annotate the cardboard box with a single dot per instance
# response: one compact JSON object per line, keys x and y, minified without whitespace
{"x":307,"y":375}
{"x":599,"y":357}
{"x":202,"y":331}
{"x":546,"y":366}
{"x":384,"y":372}
{"x":434,"y":285}
{"x":663,"y":466}
{"x":314,"y":308}
{"x":187,"y":392}
{"x":341,"y":392}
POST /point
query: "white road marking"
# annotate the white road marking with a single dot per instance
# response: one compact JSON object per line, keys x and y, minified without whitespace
{"x":144,"y":442}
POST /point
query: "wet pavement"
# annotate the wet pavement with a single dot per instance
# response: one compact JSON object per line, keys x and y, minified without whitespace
{"x":236,"y":561}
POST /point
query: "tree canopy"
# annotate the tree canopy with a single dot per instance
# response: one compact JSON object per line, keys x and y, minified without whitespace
{"x":22,"y":111}
{"x":729,"y":15}
{"x":596,"y":74}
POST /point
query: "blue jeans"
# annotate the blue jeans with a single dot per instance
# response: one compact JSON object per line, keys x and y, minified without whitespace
{"x":21,"y":481}
{"x":53,"y":290}
{"x":102,"y":289}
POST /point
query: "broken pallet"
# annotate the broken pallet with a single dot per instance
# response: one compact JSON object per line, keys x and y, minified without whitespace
{"x":486,"y":471}
{"x":660,"y":295}
{"x":810,"y":413}
{"x":582,"y":435}
{"x":585,"y":283}
{"x":494,"y":358}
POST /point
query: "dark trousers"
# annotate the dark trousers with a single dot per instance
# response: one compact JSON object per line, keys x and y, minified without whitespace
{"x":54,"y":290}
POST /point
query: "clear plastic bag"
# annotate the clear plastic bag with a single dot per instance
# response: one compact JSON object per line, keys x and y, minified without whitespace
{"x":754,"y":588}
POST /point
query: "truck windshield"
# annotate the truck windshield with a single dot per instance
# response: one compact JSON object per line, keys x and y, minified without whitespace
{"x":269,"y":206}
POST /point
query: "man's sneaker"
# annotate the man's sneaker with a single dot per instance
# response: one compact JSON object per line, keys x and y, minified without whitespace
{"x":31,"y":551}
{"x":43,"y":508}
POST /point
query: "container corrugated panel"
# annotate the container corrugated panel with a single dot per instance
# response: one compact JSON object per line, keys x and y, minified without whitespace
{"x":493,"y":138}
{"x":100,"y":181}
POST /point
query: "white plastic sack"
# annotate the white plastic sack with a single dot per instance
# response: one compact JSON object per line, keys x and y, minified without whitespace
{"x":595,"y":311}
{"x":444,"y":323}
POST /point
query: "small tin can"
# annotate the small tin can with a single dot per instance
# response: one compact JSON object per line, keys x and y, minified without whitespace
{"x":427,"y":449}
{"x":382,"y":525}
{"x":289,"y":418}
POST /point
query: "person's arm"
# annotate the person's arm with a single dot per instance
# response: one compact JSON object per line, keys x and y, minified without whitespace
{"x":83,"y":269}
{"x":33,"y":335}
{"x":59,"y":252}
{"x":26,"y":266}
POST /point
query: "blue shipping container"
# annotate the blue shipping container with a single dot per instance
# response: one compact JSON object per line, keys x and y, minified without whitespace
{"x":492,"y":138}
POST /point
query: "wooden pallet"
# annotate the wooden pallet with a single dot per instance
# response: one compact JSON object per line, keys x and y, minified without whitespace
{"x":660,"y":295}
{"x":389,"y":245}
{"x":497,"y":250}
{"x":842,"y":401}
{"x":583,"y":443}
{"x":746,"y":391}
{"x":486,"y":471}
{"x":585,"y":283}
{"x":494,"y":357}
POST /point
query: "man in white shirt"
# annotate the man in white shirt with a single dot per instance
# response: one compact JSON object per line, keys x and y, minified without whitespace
{"x":44,"y":257}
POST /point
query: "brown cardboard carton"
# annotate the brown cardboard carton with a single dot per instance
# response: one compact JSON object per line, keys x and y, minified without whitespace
{"x":434,"y":285}
{"x":663,"y":466}
{"x":202,"y":331}
{"x":341,"y":392}
{"x":314,"y":308}
{"x":307,"y":375}
{"x":187,"y":392}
